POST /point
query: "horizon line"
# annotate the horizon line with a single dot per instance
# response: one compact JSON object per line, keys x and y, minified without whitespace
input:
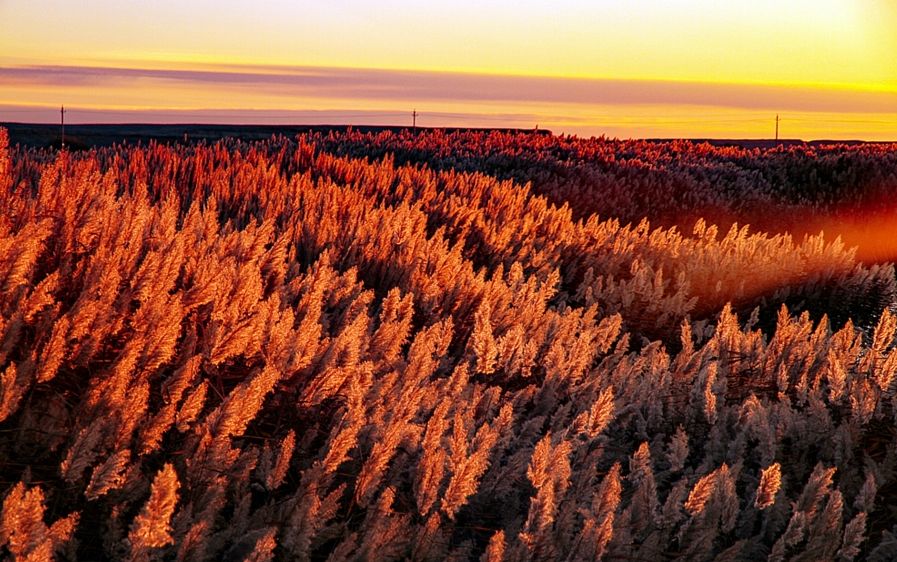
{"x":473,"y":128}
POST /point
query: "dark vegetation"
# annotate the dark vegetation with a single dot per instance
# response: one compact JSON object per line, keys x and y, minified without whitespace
{"x":98,"y":135}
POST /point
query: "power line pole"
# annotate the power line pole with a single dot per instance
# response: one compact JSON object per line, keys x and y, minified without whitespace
{"x":414,"y":120}
{"x":777,"y":127}
{"x":62,"y":120}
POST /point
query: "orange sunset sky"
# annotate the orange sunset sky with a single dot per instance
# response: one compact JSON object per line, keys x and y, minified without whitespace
{"x":639,"y":68}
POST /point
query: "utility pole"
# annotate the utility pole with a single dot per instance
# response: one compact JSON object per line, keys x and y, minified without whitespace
{"x":414,"y":120}
{"x":62,"y":120}
{"x":777,"y":127}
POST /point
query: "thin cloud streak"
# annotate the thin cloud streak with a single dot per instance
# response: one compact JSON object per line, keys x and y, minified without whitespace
{"x":79,"y":115}
{"x":419,"y":86}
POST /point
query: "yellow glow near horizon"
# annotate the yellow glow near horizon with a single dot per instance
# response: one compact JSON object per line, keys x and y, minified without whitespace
{"x":832,"y":45}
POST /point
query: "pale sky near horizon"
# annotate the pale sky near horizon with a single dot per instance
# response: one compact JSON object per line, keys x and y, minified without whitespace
{"x":690,"y":68}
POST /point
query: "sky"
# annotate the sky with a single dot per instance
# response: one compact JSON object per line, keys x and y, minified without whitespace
{"x":634,"y":68}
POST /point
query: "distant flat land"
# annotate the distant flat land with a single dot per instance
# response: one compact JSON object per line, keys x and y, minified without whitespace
{"x":86,"y":136}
